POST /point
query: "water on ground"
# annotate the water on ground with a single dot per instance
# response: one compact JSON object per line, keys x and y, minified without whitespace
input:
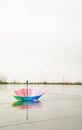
{"x":60,"y":108}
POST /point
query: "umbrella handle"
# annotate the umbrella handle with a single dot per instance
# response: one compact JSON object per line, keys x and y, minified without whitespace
{"x":27,"y":87}
{"x":27,"y":96}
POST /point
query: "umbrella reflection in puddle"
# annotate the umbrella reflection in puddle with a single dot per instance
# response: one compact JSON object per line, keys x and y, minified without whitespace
{"x":26,"y":105}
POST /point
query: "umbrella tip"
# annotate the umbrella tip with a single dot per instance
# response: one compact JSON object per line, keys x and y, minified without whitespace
{"x":26,"y":81}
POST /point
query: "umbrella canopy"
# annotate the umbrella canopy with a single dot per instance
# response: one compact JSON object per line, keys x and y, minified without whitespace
{"x":27,"y":94}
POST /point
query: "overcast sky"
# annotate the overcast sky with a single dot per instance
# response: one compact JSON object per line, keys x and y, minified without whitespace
{"x":41,"y":40}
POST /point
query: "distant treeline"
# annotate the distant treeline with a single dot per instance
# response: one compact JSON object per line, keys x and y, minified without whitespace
{"x":1,"y":82}
{"x":57,"y":83}
{"x":44,"y":83}
{"x":5,"y":82}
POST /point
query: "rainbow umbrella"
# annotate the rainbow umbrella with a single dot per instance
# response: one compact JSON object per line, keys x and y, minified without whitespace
{"x":27,"y":94}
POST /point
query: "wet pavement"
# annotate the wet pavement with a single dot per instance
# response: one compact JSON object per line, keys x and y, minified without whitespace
{"x":60,"y":108}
